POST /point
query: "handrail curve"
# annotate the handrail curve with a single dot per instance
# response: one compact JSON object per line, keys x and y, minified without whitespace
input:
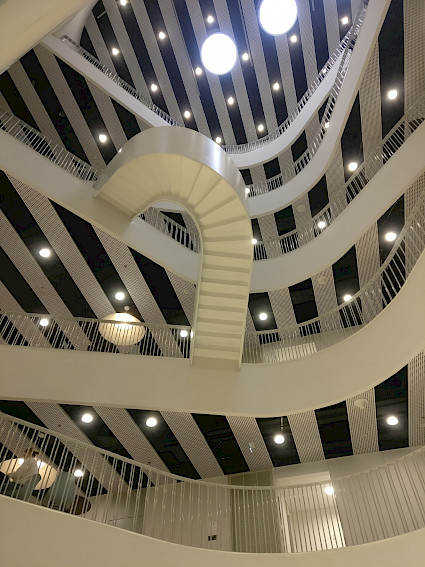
{"x":79,"y":478}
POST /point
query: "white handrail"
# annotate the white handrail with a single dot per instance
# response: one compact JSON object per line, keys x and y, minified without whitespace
{"x":375,"y":504}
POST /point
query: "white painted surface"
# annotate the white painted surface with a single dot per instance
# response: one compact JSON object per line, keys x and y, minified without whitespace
{"x":357,"y":364}
{"x":103,"y":546}
{"x":23,"y":23}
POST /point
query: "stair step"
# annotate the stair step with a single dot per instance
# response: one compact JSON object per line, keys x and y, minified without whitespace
{"x":215,"y":201}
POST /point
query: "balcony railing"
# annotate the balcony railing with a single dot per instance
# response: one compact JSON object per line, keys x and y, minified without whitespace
{"x":279,"y":345}
{"x":49,"y":149}
{"x":78,"y":478}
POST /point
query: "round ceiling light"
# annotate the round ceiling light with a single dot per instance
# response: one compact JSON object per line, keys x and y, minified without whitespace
{"x":321,"y":224}
{"x":210,"y":19}
{"x":347,"y":297}
{"x":219,"y":53}
{"x":352,"y":166}
{"x":247,"y":190}
{"x":44,"y":252}
{"x":392,"y":94}
{"x":116,"y":329}
{"x":263,"y":316}
{"x":390,"y":236}
{"x":154,"y":87}
{"x":230,"y":101}
{"x":392,"y":420}
{"x":78,"y":473}
{"x":254,"y":241}
{"x":294,"y":38}
{"x":277,"y":16}
{"x":44,"y":322}
{"x":187,"y":114}
{"x":344,"y":20}
{"x":198,"y":71}
{"x":115,"y":51}
{"x":120,"y":295}
{"x":329,"y":490}
{"x":87,"y":418}
{"x":276,"y":87}
{"x":103,"y":138}
{"x":260,"y":127}
{"x":184,"y":333}
{"x":245,"y":56}
{"x":162,"y":35}
{"x":218,"y":140}
{"x":151,"y":421}
{"x":279,"y":439}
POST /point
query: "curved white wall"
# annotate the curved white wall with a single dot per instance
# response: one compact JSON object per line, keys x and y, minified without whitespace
{"x":23,"y":23}
{"x":41,"y":538}
{"x":357,"y":364}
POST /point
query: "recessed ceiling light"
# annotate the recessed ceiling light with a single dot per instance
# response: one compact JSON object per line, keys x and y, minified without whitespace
{"x":276,"y":87}
{"x":392,"y":420}
{"x":187,"y":114}
{"x":390,"y":236}
{"x":151,"y":421}
{"x":260,"y":127}
{"x":322,"y":280}
{"x":78,"y":473}
{"x":254,"y":241}
{"x":162,"y":35}
{"x":321,"y":224}
{"x":347,"y":297}
{"x":154,"y":87}
{"x":392,"y":94}
{"x":44,"y":252}
{"x":120,"y":295}
{"x":44,"y":322}
{"x":277,"y":16}
{"x":263,"y":316}
{"x":329,"y":490}
{"x":123,"y":2}
{"x":103,"y":138}
{"x":326,"y":125}
{"x":279,"y":439}
{"x":87,"y":418}
{"x":218,"y":140}
{"x":247,"y":190}
{"x":115,"y":51}
{"x":230,"y":100}
{"x":219,"y":53}
{"x":293,"y":38}
{"x":344,"y":20}
{"x":245,"y":56}
{"x":184,"y":333}
{"x":198,"y":71}
{"x":352,"y":166}
{"x":210,"y":19}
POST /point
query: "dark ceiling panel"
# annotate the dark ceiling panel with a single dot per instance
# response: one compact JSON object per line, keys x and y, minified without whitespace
{"x":219,"y":436}
{"x":285,"y":220}
{"x":318,"y":196}
{"x":303,"y":301}
{"x":319,"y":32}
{"x":334,"y":430}
{"x":260,"y":303}
{"x":15,"y":101}
{"x":345,"y":274}
{"x":391,"y":65}
{"x":297,"y":60}
{"x":165,"y":443}
{"x":344,"y":10}
{"x":391,"y":221}
{"x":34,"y":239}
{"x":281,"y":454}
{"x":391,"y":399}
{"x":351,"y":139}
{"x":127,"y":119}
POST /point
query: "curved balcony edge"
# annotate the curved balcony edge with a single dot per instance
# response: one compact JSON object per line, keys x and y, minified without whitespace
{"x":388,"y":342}
{"x":103,"y":545}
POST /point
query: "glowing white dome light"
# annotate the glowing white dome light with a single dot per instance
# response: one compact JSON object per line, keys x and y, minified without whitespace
{"x":277,"y":16}
{"x":115,"y":51}
{"x":247,"y":190}
{"x":44,"y":252}
{"x":230,"y":100}
{"x":120,"y":295}
{"x":390,"y":236}
{"x":347,"y":297}
{"x":276,"y":87}
{"x":151,"y":421}
{"x":210,"y":19}
{"x":352,"y":166}
{"x":392,"y":94}
{"x":219,"y":53}
{"x":263,"y":316}
{"x":293,"y":38}
{"x":198,"y":71}
{"x":218,"y":140}
{"x":187,"y":114}
{"x":344,"y":20}
{"x":87,"y":418}
{"x":329,"y":490}
{"x":154,"y":87}
{"x":78,"y":473}
{"x":184,"y":333}
{"x":162,"y":35}
{"x":260,"y":127}
{"x":279,"y":439}
{"x":254,"y":241}
{"x":116,"y":329}
{"x":392,"y":420}
{"x":123,"y":2}
{"x":103,"y":138}
{"x":321,"y":224}
{"x":245,"y":56}
{"x":44,"y":322}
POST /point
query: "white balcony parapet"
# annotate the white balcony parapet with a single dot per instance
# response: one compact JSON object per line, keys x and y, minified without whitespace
{"x":80,"y":479}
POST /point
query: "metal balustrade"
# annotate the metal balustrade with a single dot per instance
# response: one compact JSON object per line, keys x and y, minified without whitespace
{"x":94,"y":335}
{"x":187,"y":238}
{"x":279,"y":345}
{"x":78,"y":478}
{"x":49,"y":149}
{"x":393,"y":141}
